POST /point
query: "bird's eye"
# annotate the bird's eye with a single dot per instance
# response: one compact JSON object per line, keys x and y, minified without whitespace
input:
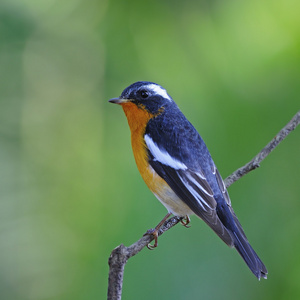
{"x":144,"y":94}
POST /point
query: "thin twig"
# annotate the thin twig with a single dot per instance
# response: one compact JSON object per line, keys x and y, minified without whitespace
{"x":121,"y":254}
{"x":254,"y":163}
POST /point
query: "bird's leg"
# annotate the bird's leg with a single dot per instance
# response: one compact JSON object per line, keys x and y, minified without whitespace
{"x":185,"y":221}
{"x":154,"y":232}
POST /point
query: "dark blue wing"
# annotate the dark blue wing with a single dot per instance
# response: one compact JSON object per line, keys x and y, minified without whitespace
{"x":179,"y":155}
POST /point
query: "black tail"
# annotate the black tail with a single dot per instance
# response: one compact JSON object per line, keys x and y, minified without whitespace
{"x":254,"y":263}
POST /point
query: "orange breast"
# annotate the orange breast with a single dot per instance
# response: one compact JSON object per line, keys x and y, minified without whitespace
{"x":137,"y":120}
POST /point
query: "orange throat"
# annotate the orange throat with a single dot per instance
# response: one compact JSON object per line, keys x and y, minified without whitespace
{"x":138,"y":119}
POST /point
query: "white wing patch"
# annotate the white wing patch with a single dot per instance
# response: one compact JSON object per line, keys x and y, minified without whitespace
{"x":159,"y":91}
{"x":162,"y":155}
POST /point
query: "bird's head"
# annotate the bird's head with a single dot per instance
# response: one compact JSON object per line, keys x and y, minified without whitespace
{"x":145,"y":95}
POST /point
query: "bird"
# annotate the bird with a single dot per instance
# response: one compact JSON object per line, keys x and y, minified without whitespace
{"x":177,"y":167}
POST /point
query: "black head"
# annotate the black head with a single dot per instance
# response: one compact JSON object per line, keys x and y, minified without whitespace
{"x":148,"y":95}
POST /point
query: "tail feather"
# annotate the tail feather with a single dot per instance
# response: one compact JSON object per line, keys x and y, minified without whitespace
{"x":249,"y":255}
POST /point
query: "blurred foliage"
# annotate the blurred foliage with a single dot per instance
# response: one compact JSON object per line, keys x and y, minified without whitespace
{"x":70,"y":191}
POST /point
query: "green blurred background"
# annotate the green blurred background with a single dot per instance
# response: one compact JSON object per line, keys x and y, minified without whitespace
{"x":70,"y":191}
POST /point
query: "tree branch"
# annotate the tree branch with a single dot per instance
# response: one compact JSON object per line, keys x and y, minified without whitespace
{"x":254,"y":163}
{"x":120,"y":255}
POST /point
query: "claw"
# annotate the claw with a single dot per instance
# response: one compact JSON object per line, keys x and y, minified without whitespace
{"x":185,"y":221}
{"x":154,"y":233}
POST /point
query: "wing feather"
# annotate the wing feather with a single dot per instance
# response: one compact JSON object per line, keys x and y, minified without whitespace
{"x":195,"y":193}
{"x":227,"y":199}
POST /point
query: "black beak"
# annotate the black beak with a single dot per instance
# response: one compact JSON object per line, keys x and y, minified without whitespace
{"x":118,"y":100}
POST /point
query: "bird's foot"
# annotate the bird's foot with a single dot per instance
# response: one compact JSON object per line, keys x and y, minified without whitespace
{"x":186,"y":221}
{"x":154,"y":233}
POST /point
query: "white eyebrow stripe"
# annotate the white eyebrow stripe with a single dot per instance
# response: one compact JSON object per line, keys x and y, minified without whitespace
{"x":162,"y":155}
{"x":159,"y":91}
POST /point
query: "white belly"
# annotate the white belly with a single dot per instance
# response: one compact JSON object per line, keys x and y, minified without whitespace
{"x":172,"y":202}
